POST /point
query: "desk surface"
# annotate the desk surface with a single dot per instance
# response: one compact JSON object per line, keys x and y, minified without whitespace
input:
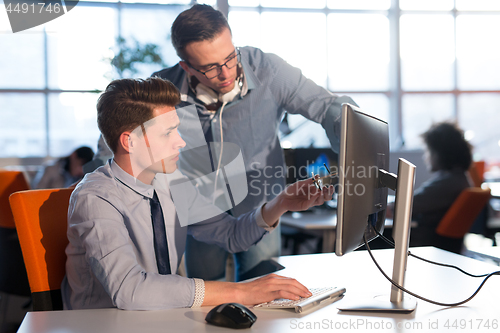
{"x":488,"y":252}
{"x":495,"y":188}
{"x":355,"y":271}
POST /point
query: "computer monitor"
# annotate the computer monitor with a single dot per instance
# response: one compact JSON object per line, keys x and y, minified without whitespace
{"x":362,"y":198}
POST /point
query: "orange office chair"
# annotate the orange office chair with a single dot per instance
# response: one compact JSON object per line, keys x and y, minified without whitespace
{"x":13,"y":278}
{"x":41,"y":222}
{"x":461,"y":215}
{"x":10,"y":182}
{"x":476,"y":172}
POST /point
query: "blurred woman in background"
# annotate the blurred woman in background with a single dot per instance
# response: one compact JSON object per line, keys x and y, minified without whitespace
{"x":65,"y":171}
{"x":448,"y":157}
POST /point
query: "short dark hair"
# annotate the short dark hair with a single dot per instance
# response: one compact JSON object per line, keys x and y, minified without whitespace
{"x":128,"y":103}
{"x":86,"y":154}
{"x":198,"y":23}
{"x":448,"y":147}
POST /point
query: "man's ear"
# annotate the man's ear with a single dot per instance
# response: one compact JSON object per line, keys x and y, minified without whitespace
{"x":126,"y":141}
{"x":184,"y":66}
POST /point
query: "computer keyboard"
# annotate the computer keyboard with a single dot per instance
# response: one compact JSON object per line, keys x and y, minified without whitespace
{"x":318,"y":295}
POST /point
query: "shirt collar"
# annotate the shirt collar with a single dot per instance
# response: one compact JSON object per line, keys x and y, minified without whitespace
{"x":130,"y":181}
{"x":250,"y":80}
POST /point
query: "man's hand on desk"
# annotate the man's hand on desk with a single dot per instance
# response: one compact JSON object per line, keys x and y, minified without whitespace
{"x":298,"y":196}
{"x":264,"y":289}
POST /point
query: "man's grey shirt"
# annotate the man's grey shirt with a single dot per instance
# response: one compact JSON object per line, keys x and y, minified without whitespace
{"x":110,"y":256}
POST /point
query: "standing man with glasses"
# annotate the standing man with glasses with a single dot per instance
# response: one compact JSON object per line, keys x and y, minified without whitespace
{"x":241,"y":96}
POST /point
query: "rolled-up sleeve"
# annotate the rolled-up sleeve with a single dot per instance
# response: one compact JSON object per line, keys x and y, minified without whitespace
{"x":260,"y":220}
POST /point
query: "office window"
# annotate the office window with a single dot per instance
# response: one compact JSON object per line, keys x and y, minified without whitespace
{"x":420,"y":111}
{"x":303,"y":45}
{"x":206,"y":2}
{"x":76,"y":49}
{"x":293,"y":3}
{"x":359,"y":4}
{"x":450,"y":52}
{"x":21,"y":60}
{"x":52,"y":74}
{"x":477,"y":5}
{"x":479,"y":118}
{"x":245,"y":27}
{"x":447,"y":50}
{"x":427,"y":52}
{"x":376,"y":105}
{"x":72,"y":122}
{"x":304,"y":134}
{"x":426,"y":4}
{"x":22,"y":125}
{"x":163,"y":2}
{"x":249,"y":3}
{"x":154,"y":28}
{"x":478,"y":52}
{"x":358,"y":52}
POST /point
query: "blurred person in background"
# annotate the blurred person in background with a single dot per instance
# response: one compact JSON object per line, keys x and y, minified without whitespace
{"x":65,"y":171}
{"x":448,"y":157}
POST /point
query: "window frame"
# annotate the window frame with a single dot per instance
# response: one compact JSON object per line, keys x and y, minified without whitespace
{"x":395,"y":93}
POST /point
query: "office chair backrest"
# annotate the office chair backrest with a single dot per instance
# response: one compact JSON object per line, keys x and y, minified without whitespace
{"x":10,"y":182}
{"x":476,"y":172}
{"x":461,"y":215}
{"x":13,"y":277}
{"x":41,"y":222}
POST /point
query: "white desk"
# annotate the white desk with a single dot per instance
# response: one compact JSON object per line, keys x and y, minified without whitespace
{"x":495,"y":188}
{"x":354,"y":271}
{"x":491,"y":253}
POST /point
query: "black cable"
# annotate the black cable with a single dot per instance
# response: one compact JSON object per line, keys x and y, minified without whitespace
{"x":447,"y":265}
{"x":418,"y":296}
{"x":391,"y":243}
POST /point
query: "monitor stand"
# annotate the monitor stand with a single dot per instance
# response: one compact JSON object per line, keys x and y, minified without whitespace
{"x":396,"y":301}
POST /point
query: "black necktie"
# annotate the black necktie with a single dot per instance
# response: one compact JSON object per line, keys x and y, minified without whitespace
{"x":160,"y":236}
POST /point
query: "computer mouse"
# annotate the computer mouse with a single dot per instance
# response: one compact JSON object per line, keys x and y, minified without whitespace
{"x":233,"y":315}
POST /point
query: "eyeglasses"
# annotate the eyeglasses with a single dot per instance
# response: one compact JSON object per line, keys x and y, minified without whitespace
{"x":217,"y":69}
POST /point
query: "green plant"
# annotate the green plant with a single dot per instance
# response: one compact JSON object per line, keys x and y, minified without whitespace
{"x":128,"y":55}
